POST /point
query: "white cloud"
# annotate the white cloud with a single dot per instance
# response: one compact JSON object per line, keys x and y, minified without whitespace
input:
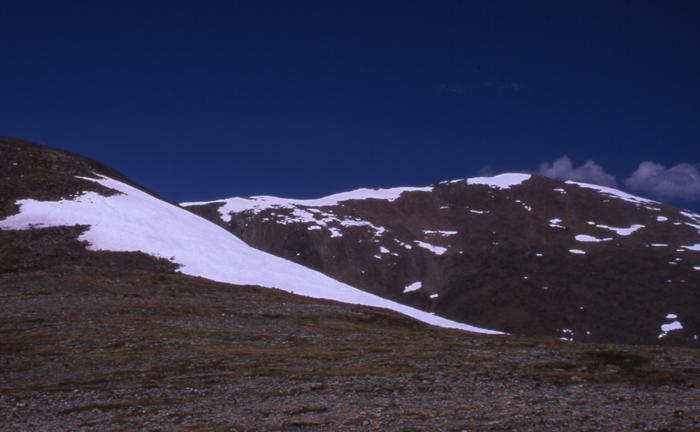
{"x":590,"y":172}
{"x":681,"y":181}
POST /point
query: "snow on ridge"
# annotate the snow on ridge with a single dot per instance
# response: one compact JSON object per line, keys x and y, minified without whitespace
{"x":502,"y":181}
{"x":315,"y":218}
{"x":136,"y":221}
{"x":258,"y":203}
{"x":694,"y":217}
{"x":690,"y":215}
{"x":615,"y":193}
{"x":306,"y":211}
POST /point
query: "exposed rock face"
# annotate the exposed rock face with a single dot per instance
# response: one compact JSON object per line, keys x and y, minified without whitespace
{"x":520,"y":254}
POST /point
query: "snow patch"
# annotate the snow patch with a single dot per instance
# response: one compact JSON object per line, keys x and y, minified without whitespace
{"x":661,"y":218}
{"x":577,"y":251}
{"x":622,"y":231}
{"x":437,"y":250}
{"x":503,"y":181}
{"x":556,"y":223}
{"x":694,"y":216}
{"x":413,"y":287}
{"x":587,"y":238}
{"x":665,"y":328}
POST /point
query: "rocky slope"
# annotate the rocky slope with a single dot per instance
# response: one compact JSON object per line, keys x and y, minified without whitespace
{"x":89,"y":349}
{"x":517,"y":253}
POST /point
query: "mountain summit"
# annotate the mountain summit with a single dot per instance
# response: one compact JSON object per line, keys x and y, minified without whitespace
{"x":518,"y":253}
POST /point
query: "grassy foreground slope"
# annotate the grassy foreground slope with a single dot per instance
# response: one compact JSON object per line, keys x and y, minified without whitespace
{"x":85,"y":348}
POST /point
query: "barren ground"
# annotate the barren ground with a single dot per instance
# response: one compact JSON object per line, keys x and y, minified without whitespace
{"x":87,"y":349}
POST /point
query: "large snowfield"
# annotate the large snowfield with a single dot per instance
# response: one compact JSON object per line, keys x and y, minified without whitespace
{"x":136,"y":221}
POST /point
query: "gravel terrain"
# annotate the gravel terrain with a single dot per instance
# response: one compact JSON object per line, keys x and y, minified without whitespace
{"x":89,"y":349}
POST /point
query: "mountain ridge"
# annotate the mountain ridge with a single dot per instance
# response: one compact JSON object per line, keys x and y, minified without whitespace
{"x":533,"y":251}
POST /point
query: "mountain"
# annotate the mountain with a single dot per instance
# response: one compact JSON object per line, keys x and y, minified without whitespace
{"x":513,"y":253}
{"x":93,"y":339}
{"x":517,"y":253}
{"x":59,"y":208}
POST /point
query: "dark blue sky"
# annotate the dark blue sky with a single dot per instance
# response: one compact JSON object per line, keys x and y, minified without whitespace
{"x":205,"y":100}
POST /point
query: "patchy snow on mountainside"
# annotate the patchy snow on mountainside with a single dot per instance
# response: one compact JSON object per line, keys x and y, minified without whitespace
{"x":622,"y":231}
{"x":136,"y":221}
{"x":307,"y":211}
{"x":615,"y":193}
{"x":258,"y":203}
